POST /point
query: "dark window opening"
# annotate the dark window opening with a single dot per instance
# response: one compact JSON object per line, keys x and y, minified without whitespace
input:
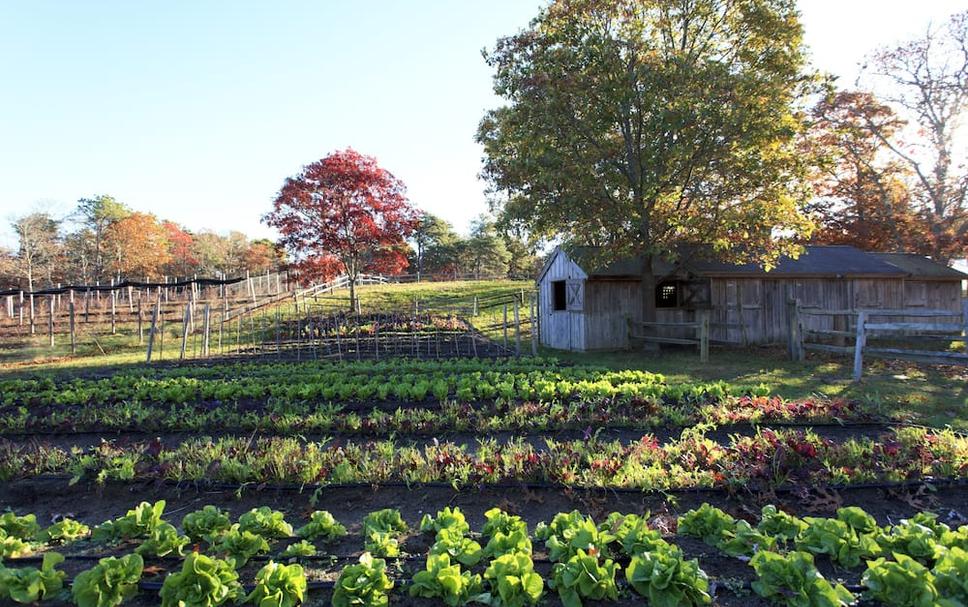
{"x":560,"y":295}
{"x":667,"y":295}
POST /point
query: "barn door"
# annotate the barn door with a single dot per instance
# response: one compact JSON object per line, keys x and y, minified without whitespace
{"x":575,"y":295}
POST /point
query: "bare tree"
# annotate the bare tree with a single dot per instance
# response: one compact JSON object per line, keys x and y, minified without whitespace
{"x":39,"y":248}
{"x":927,"y":79}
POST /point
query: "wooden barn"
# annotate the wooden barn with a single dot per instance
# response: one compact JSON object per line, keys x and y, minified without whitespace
{"x":585,"y":307}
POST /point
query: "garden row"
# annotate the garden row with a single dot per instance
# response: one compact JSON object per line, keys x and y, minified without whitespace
{"x":286,"y":418}
{"x":919,"y":562}
{"x":769,"y":458}
{"x":336,"y":385}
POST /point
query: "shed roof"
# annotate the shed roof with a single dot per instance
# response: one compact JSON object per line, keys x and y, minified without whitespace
{"x":920,"y":266}
{"x":816,"y":261}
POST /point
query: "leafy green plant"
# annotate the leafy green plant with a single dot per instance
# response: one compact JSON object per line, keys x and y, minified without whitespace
{"x":584,"y":577}
{"x":837,"y":539}
{"x":719,"y":529}
{"x":503,"y":543}
{"x":793,"y":580}
{"x":22,"y":527}
{"x":951,"y":575}
{"x":448,"y":518}
{"x":300,"y":548}
{"x":278,"y":585}
{"x":239,"y":545}
{"x":380,"y":531}
{"x":138,"y":523}
{"x":322,"y":526}
{"x":570,"y":532}
{"x":666,"y":579}
{"x":857,"y":519}
{"x":513,"y":581}
{"x":11,"y":547}
{"x":364,"y":584}
{"x":203,"y":581}
{"x":266,"y":522}
{"x":454,"y":544}
{"x":779,"y":524}
{"x":443,"y":580}
{"x":208,"y":522}
{"x":29,"y":584}
{"x":496,"y":520}
{"x":65,"y":530}
{"x":164,"y":540}
{"x":911,"y":538}
{"x":903,"y":582}
{"x":109,"y":583}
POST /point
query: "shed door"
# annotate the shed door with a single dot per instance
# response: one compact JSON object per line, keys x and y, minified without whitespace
{"x":575,"y":295}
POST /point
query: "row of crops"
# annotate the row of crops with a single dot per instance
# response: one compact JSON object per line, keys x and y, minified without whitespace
{"x":919,"y":562}
{"x":288,"y":418}
{"x":329,"y":383}
{"x":769,"y":457}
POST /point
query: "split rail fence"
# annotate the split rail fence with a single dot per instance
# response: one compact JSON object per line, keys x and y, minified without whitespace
{"x":853,"y":330}
{"x":646,"y":332}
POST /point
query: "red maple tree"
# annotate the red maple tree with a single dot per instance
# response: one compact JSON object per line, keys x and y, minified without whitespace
{"x":344,"y":213}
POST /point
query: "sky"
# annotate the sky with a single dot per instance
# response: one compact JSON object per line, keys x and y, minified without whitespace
{"x":197,"y":110}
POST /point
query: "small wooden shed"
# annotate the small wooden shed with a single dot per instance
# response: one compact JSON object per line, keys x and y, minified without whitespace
{"x":584,"y":306}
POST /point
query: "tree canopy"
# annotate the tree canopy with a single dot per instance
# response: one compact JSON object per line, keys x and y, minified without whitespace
{"x":641,"y":125}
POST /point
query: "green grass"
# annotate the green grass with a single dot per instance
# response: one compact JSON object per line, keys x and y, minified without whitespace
{"x":922,"y":392}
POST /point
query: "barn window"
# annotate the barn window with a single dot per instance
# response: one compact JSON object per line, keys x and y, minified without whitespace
{"x":667,"y":295}
{"x":560,"y":292}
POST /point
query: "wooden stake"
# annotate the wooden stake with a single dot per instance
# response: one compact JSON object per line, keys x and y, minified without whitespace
{"x":517,"y":329}
{"x":704,"y":336}
{"x":50,"y":320}
{"x":151,"y":331}
{"x":32,"y":327}
{"x":205,"y":340}
{"x":534,"y":326}
{"x":859,"y":344}
{"x":185,"y":330}
{"x":70,"y":308}
{"x":141,"y":333}
{"x":114,"y":301}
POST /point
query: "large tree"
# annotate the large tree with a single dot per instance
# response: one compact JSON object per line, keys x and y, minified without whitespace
{"x":927,"y":80}
{"x":646,"y":124}
{"x":138,"y":246}
{"x":96,"y":215}
{"x":485,"y":253}
{"x":347,"y":208}
{"x":862,"y":196}
{"x":431,"y":232}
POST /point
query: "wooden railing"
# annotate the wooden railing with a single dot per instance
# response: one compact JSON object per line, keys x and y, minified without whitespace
{"x":860,"y":328}
{"x":638,"y":331}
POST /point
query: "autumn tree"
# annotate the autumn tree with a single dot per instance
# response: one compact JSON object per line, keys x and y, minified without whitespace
{"x":262,"y":255}
{"x":138,"y":246}
{"x":343,"y":207}
{"x":927,"y":80}
{"x":39,"y":246}
{"x":96,"y":216}
{"x":182,"y":260}
{"x":643,"y":124}
{"x":862,"y":196}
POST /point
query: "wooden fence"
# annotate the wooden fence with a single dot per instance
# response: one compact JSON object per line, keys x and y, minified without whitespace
{"x":861,"y":326}
{"x":639,"y":331}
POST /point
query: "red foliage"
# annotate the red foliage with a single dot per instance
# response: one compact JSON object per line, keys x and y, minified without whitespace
{"x":183,"y":259}
{"x":344,"y":214}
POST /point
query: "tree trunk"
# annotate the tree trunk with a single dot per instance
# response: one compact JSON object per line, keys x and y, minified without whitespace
{"x":647,"y":284}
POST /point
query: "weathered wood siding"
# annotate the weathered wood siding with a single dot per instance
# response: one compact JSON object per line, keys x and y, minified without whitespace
{"x":560,"y":329}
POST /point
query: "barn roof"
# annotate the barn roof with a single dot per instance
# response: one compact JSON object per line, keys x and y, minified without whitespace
{"x":816,"y":261}
{"x":921,"y":266}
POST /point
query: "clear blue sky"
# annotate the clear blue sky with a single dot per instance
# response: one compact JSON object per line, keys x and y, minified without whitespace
{"x":197,"y":110}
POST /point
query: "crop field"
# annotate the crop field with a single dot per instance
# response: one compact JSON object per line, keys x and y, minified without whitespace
{"x":355,"y":470}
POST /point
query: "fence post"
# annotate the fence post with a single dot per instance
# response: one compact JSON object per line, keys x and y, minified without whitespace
{"x":795,"y":338}
{"x":50,"y":319}
{"x":70,"y":308}
{"x":474,"y":313}
{"x":505,"y":326}
{"x":151,"y":331}
{"x":517,"y":329}
{"x":20,"y":308}
{"x":32,"y":327}
{"x":141,"y":332}
{"x":964,"y":320}
{"x":859,"y":345}
{"x":534,"y":327}
{"x":188,"y":316}
{"x":114,"y":301}
{"x":704,"y":336}
{"x":205,"y":340}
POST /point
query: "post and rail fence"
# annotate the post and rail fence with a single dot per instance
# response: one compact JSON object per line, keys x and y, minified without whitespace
{"x":863,"y":325}
{"x":640,"y":331}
